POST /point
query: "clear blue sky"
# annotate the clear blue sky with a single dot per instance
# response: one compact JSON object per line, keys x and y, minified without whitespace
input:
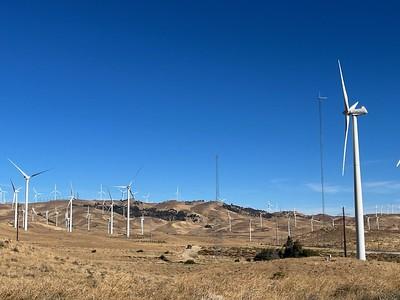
{"x":95,"y":90}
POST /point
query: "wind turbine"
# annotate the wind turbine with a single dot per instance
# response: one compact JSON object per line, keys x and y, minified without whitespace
{"x":27,"y":179}
{"x":250,"y":230}
{"x":368,"y":223}
{"x":146,"y":197}
{"x":37,"y":195}
{"x":56,"y":215}
{"x":101,"y":193}
{"x":128,"y":213}
{"x":354,"y":112}
{"x":55,"y":192}
{"x":15,"y":203}
{"x":69,"y":206}
{"x":142,"y":224}
{"x":88,"y":218}
{"x":3,"y":195}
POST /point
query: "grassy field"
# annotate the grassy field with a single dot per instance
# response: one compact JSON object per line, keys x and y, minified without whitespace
{"x":49,"y":263}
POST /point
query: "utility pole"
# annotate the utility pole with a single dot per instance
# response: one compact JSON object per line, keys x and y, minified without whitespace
{"x":17,"y":222}
{"x":321,"y":149}
{"x":344,"y":233}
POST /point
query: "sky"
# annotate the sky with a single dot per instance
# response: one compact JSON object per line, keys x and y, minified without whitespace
{"x":95,"y":90}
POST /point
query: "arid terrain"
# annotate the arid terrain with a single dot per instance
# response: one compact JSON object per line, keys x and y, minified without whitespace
{"x":195,"y":257}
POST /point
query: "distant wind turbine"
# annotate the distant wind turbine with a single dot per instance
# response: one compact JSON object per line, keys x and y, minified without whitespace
{"x":3,"y":193}
{"x":102,"y":193}
{"x":128,"y":213}
{"x":55,"y":192}
{"x":27,"y":179}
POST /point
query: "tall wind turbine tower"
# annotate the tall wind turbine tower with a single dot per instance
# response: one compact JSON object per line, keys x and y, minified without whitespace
{"x":321,"y":152}
{"x":353,"y":112}
{"x":15,"y":203}
{"x":27,"y":179}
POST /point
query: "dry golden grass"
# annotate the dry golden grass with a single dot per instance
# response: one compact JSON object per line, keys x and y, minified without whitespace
{"x":49,"y":263}
{"x":36,"y":272}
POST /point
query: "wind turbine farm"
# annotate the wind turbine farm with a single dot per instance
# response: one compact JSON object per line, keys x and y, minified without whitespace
{"x":197,"y":151}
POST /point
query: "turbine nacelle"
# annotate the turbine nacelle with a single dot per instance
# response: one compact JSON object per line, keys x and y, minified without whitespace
{"x":354,"y":111}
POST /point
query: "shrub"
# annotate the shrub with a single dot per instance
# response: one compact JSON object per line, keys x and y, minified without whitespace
{"x":189,"y":262}
{"x":294,"y":249}
{"x":163,"y":257}
{"x":266,"y":254}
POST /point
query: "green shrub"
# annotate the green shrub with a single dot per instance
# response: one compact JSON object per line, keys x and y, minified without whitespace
{"x":294,"y":249}
{"x":266,"y":254}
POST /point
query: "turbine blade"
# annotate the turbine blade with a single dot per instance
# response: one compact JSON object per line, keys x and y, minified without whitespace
{"x":347,"y":120}
{"x":133,"y":195}
{"x":110,"y":195}
{"x":36,"y":174}
{"x":13,"y":186}
{"x":18,"y":168}
{"x":398,"y":164}
{"x":353,"y":106}
{"x":346,"y":99}
{"x":137,"y":173}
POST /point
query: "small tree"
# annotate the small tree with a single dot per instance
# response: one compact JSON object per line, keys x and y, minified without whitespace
{"x":293,"y":249}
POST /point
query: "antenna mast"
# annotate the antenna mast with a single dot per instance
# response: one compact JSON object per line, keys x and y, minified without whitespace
{"x":321,"y":149}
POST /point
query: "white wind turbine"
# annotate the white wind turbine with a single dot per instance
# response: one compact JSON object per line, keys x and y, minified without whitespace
{"x":250,"y":230}
{"x":37,"y":195}
{"x":128,"y":213}
{"x":55,"y":192}
{"x":88,"y":217}
{"x":56,"y":215}
{"x":102,"y":193}
{"x":146,"y":197}
{"x":27,"y":179}
{"x":15,"y":203}
{"x":142,"y":224}
{"x":69,"y":206}
{"x":3,"y":192}
{"x":354,"y":112}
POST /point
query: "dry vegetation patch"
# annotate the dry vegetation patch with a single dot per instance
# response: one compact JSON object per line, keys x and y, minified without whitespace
{"x":36,"y":272}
